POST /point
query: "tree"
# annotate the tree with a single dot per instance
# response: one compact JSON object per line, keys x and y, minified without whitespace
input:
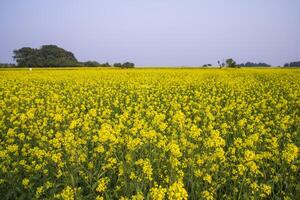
{"x":95,"y":64}
{"x":231,"y":63}
{"x":252,"y":64}
{"x":128,"y":65}
{"x":118,"y":65}
{"x":4,"y":65}
{"x":293,"y":64}
{"x":27,"y":57}
{"x":91,"y":64}
{"x":54,"y":56}
{"x":105,"y":65}
{"x":124,"y":65}
{"x":46,"y":56}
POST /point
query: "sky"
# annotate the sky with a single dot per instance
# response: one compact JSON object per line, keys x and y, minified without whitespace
{"x":155,"y":32}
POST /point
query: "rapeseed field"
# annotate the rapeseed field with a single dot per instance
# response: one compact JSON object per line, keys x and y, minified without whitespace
{"x":150,"y":134}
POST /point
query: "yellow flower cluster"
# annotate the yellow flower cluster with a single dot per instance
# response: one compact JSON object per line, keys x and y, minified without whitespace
{"x":102,"y":185}
{"x":150,"y":134}
{"x":177,"y":192}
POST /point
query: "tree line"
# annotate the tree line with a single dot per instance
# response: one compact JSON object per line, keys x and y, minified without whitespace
{"x":292,"y":64}
{"x":54,"y":56}
{"x":96,"y":64}
{"x":251,"y":64}
{"x":232,"y":64}
{"x":6,"y":65}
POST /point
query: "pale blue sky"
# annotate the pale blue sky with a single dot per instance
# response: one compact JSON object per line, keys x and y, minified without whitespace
{"x":155,"y":32}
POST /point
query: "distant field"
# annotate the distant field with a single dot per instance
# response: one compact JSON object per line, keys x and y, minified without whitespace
{"x":150,"y":134}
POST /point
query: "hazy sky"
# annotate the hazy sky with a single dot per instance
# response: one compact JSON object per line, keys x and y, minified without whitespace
{"x":155,"y":32}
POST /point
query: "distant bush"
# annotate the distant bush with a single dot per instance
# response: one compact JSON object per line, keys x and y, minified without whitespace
{"x":118,"y":65}
{"x":105,"y":65}
{"x":95,"y":64}
{"x":128,"y":65}
{"x":124,"y":65}
{"x":231,"y":63}
{"x":7,"y":65}
{"x":292,"y":64}
{"x":252,"y":64}
{"x":91,"y":64}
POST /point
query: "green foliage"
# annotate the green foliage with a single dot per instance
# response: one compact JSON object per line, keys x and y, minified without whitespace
{"x":231,"y":63}
{"x":251,"y":64}
{"x":46,"y":56}
{"x":91,"y":64}
{"x":118,"y":65}
{"x":95,"y":64}
{"x":128,"y":65}
{"x":7,"y":65}
{"x":124,"y":65}
{"x":105,"y":65}
{"x":292,"y":64}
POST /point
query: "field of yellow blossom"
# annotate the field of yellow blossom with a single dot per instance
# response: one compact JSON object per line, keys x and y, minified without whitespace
{"x":150,"y":134}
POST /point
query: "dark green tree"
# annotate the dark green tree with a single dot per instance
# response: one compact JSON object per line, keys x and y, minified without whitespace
{"x":128,"y":65}
{"x":118,"y":65}
{"x":231,"y":63}
{"x":27,"y":57}
{"x":46,"y":56}
{"x":293,"y":64}
{"x":7,"y":65}
{"x":91,"y":64}
{"x":54,"y":56}
{"x":252,"y":64}
{"x":124,"y":65}
{"x":105,"y":65}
